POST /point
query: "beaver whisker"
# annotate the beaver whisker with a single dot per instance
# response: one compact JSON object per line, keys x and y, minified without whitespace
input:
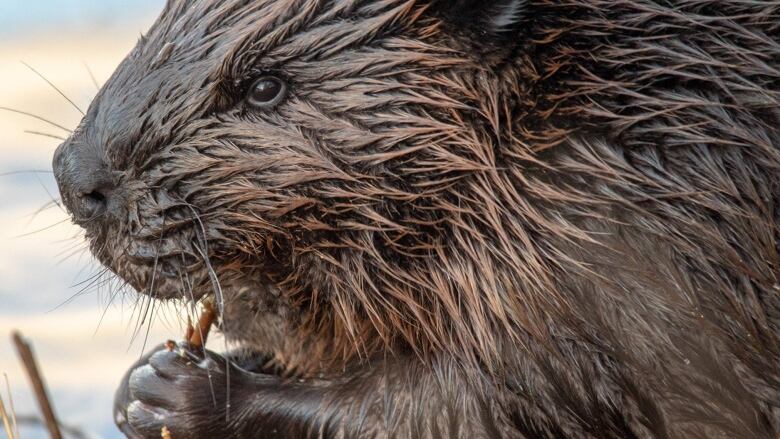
{"x":92,"y":281}
{"x":193,"y":310}
{"x":156,"y":260}
{"x":51,"y":196}
{"x":138,"y":305}
{"x":200,"y":234}
{"x":189,"y":297}
{"x":54,"y":87}
{"x":151,"y":294}
{"x":140,"y":258}
{"x":217,"y":289}
{"x":155,"y":305}
{"x":143,"y":314}
{"x":35,"y":116}
{"x":94,"y":218}
{"x":114,"y":285}
{"x":89,"y":279}
{"x":46,"y":206}
{"x":42,"y":229}
{"x":42,"y":134}
{"x":112,"y":296}
{"x":73,"y":250}
{"x":28,"y":171}
{"x":91,"y":76}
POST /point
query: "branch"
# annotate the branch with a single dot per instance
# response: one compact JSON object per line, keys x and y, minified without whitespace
{"x":31,"y":367}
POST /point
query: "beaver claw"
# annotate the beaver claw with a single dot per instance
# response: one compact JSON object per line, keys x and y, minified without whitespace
{"x":179,"y":388}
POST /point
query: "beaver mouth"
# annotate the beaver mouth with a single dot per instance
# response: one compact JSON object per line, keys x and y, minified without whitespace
{"x":175,"y":267}
{"x":161,"y":247}
{"x":167,"y":247}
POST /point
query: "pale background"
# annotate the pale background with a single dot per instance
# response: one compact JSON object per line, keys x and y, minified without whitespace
{"x":41,"y":262}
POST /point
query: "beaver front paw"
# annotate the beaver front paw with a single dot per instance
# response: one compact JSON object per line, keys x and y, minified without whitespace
{"x":183,"y":390}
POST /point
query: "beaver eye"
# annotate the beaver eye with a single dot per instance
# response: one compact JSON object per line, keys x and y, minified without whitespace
{"x":266,"y":92}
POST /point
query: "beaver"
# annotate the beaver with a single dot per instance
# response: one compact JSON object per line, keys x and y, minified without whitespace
{"x":429,"y":218}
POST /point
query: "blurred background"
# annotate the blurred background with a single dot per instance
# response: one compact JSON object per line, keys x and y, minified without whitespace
{"x":48,"y":290}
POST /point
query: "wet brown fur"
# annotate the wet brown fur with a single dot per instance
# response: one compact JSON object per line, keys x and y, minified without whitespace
{"x":564,"y":225}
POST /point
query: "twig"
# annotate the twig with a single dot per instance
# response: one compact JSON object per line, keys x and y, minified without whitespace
{"x":197,"y":336}
{"x":31,"y":367}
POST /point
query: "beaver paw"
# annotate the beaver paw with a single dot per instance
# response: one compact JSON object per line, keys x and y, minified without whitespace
{"x":183,"y":390}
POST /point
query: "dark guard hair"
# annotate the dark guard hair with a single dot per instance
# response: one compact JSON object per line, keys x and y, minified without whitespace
{"x":460,"y":219}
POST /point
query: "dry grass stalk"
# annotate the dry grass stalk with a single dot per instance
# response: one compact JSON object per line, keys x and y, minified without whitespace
{"x":39,"y":387}
{"x":14,"y":422}
{"x":6,"y":421}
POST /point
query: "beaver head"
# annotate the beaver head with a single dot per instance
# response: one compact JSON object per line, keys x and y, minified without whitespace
{"x":310,"y":149}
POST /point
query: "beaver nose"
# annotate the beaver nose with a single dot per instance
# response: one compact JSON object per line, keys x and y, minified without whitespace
{"x":84,"y":181}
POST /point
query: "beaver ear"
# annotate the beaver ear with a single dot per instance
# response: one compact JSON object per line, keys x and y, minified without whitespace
{"x":492,"y":17}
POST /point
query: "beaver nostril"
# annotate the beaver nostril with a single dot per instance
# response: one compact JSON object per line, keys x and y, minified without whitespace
{"x":91,"y":204}
{"x":95,"y":196}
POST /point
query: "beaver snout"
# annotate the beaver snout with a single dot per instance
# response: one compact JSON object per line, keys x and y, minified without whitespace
{"x":84,"y":181}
